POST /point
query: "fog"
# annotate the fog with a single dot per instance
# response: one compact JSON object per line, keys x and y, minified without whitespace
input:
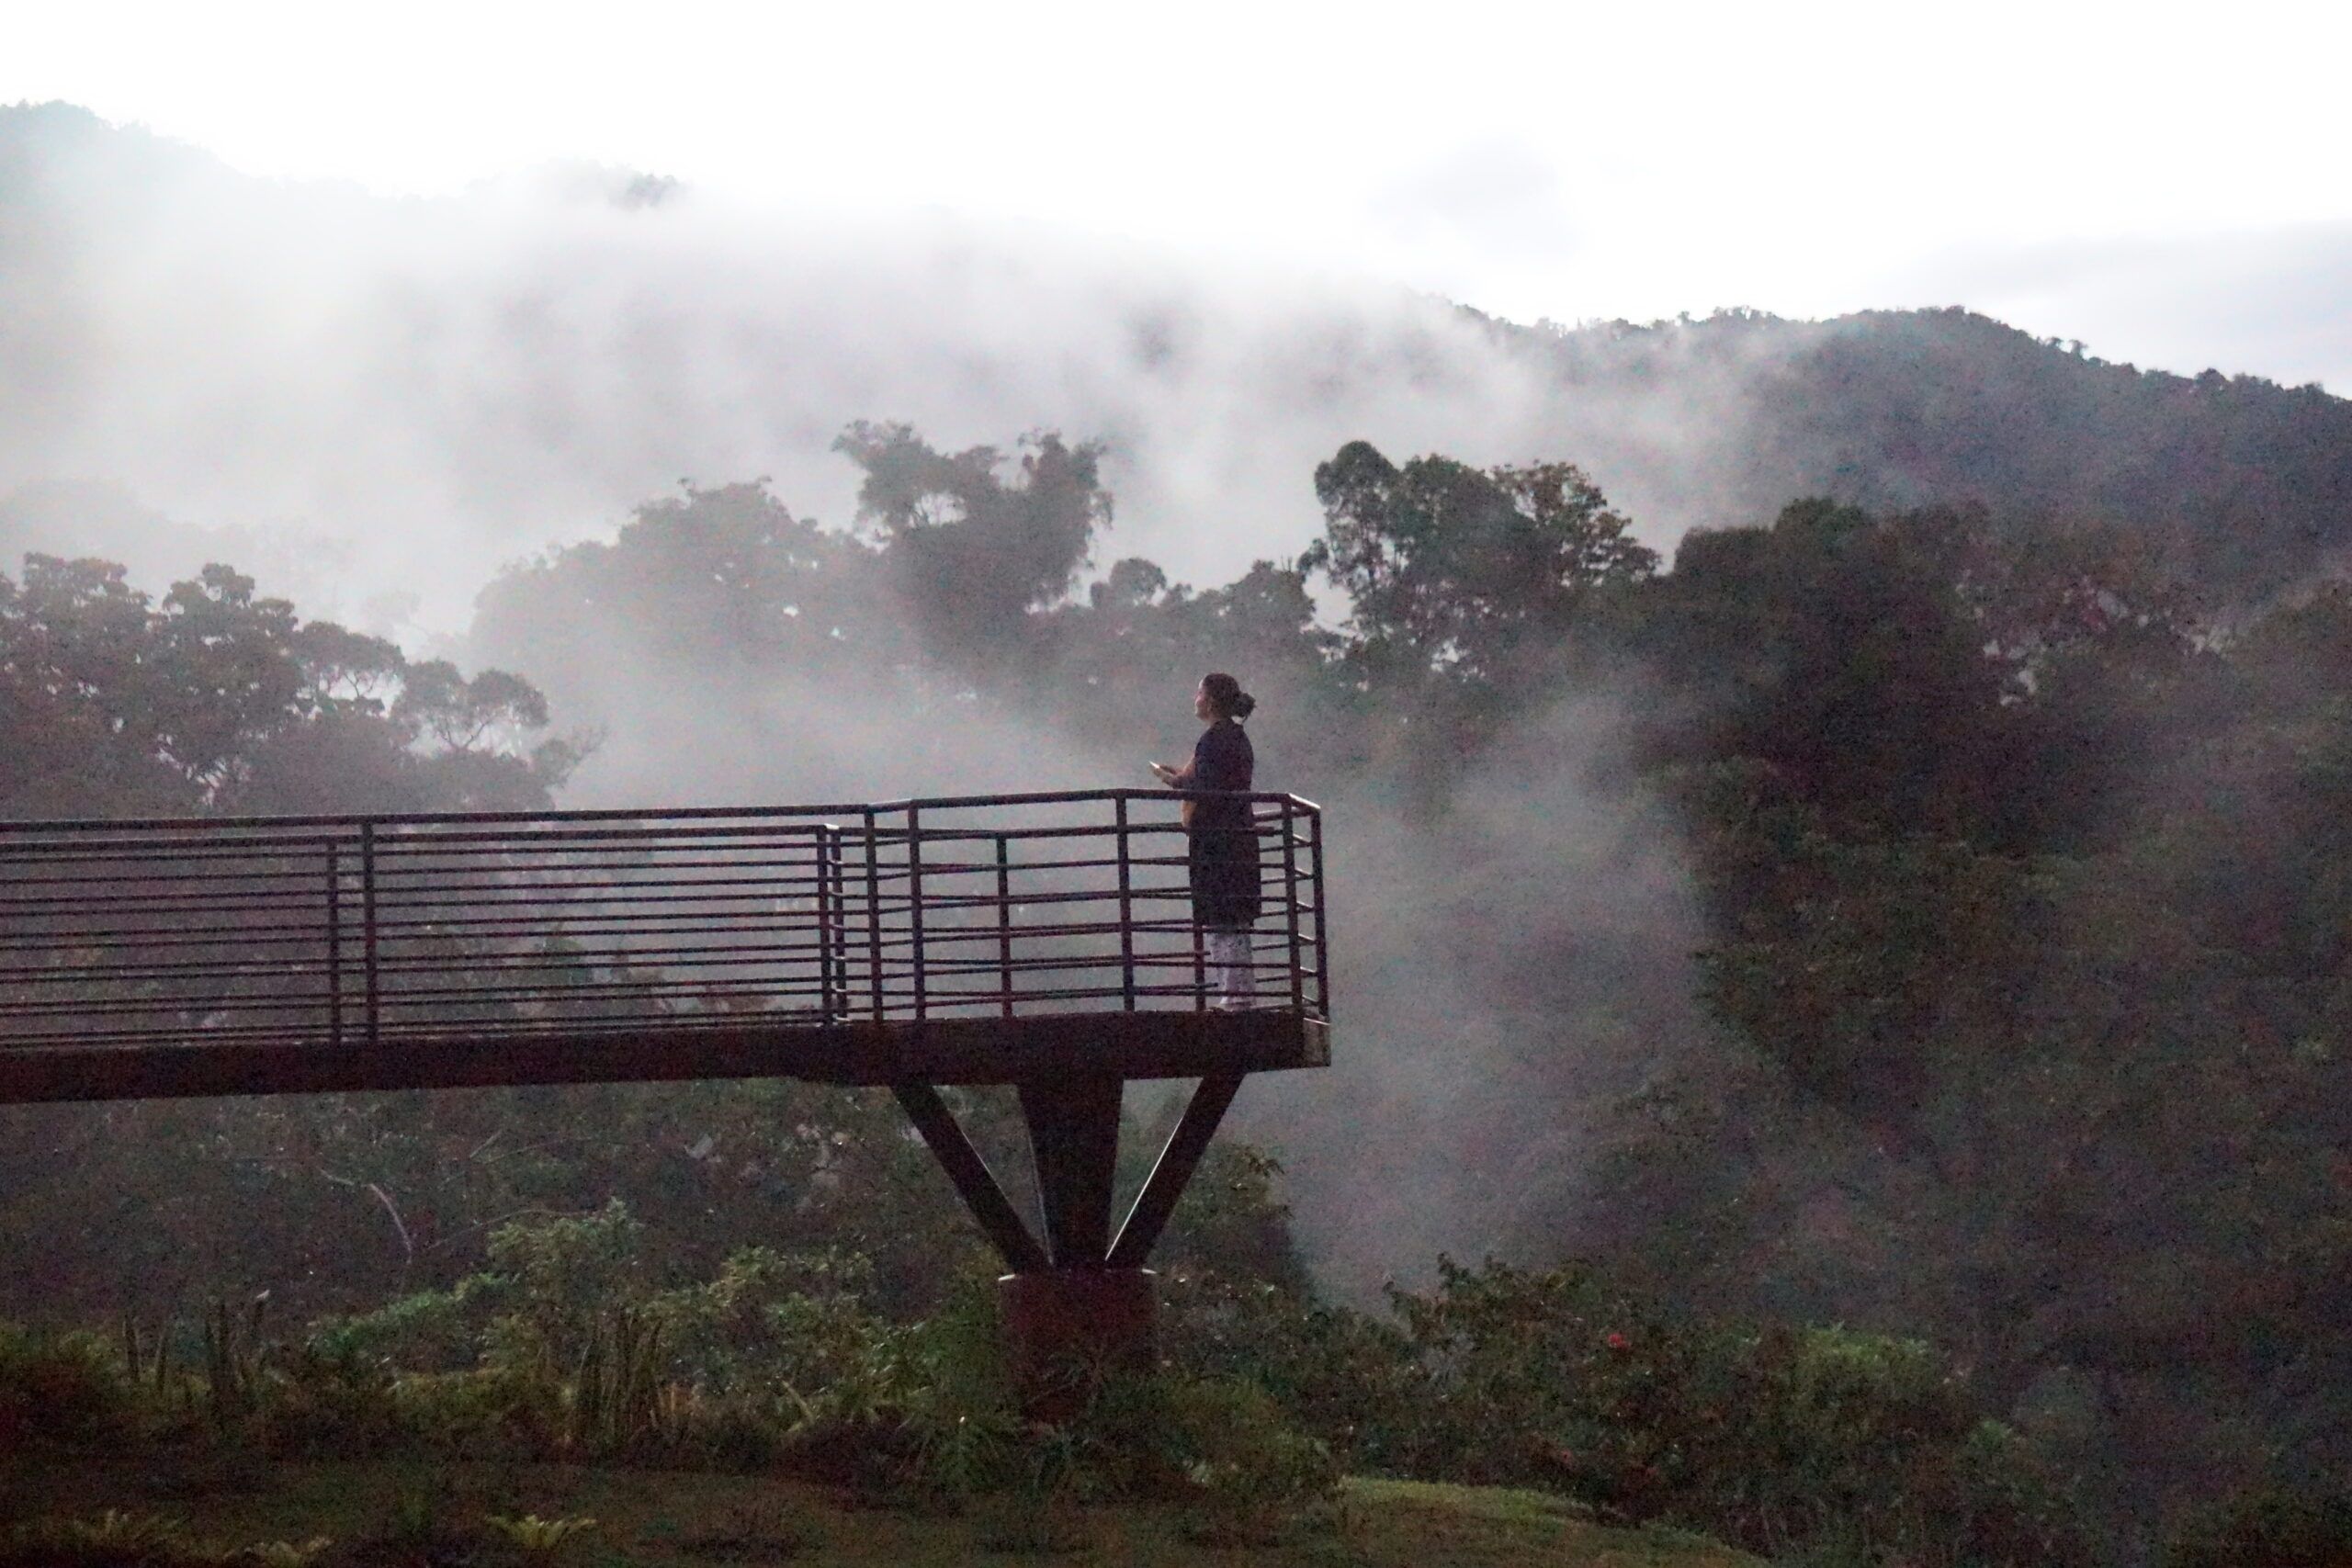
{"x":372,"y":404}
{"x":421,"y":389}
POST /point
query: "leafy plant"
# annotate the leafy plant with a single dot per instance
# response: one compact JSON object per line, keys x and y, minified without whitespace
{"x":282,"y":1553}
{"x":236,"y":1360}
{"x":421,"y":1530}
{"x":109,"y":1539}
{"x":537,"y":1539}
{"x":1251,"y":1473}
{"x":620,"y":1401}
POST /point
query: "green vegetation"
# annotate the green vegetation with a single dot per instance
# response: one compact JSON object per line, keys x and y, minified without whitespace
{"x":695,"y":1520}
{"x":2014,"y":861}
{"x":1824,"y":1442}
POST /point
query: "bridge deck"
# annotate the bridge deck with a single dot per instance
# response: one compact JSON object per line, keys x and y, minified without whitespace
{"x":983,"y":939}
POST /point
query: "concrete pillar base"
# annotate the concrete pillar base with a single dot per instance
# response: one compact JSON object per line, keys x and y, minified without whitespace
{"x":1066,"y":1329}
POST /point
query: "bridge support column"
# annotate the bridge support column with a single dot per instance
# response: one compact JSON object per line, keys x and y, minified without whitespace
{"x":1066,"y":1330}
{"x":1069,"y":1325}
{"x":1081,"y":1306}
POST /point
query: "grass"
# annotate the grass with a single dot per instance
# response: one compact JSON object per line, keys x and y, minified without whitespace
{"x":693,"y":1519}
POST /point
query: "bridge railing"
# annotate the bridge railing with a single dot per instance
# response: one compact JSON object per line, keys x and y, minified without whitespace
{"x":358,"y":931}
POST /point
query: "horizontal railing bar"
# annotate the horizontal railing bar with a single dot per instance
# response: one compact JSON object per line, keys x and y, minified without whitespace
{"x":219,"y":846}
{"x":122,"y":938}
{"x":389,"y":886}
{"x":207,"y":1004}
{"x":690,"y":814}
{"x":489,"y":961}
{"x":580,"y":841}
{"x":451,"y":998}
{"x":651,"y":923}
{"x":1173,"y":959}
{"x":307,"y":873}
{"x":422,"y":928}
{"x":422,"y":863}
{"x":251,"y":902}
{"x":574,"y":896}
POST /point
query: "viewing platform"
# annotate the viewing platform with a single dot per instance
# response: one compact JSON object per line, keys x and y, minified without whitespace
{"x":1043,"y":941}
{"x":997,"y":939}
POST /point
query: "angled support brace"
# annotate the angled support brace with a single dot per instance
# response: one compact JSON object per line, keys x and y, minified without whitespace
{"x":1174,"y":1169}
{"x":974,"y":1182}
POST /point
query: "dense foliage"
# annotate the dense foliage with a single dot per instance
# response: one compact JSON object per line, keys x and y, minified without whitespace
{"x":2015,"y":861}
{"x":1836,"y":1446}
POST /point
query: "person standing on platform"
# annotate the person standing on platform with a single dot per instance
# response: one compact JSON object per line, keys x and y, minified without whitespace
{"x":1221,"y":837}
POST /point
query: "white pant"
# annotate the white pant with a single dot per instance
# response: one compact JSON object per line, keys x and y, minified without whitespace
{"x":1232,"y":982}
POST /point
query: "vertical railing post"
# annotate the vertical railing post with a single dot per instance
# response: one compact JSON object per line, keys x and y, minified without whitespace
{"x":841,"y":927}
{"x":914,"y":909}
{"x":1200,"y":938}
{"x":828,"y":914}
{"x":1322,"y":930}
{"x":1290,"y":903}
{"x":873,"y":914}
{"x":1200,"y":967}
{"x":1126,"y":912}
{"x":368,"y":929}
{"x":335,"y":943}
{"x":1004,"y":925}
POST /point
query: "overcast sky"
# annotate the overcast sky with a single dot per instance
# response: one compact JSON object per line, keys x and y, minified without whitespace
{"x":2166,"y":182}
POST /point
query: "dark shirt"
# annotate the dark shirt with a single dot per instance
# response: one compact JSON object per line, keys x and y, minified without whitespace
{"x":1222,"y":758}
{"x":1221,"y":840}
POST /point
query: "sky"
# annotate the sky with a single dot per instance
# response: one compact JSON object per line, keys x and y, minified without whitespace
{"x":2162,"y":182}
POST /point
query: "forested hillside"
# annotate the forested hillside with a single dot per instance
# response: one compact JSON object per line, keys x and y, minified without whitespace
{"x":1832,"y":824}
{"x":2245,"y":484}
{"x":387,"y":400}
{"x":1921,"y":921}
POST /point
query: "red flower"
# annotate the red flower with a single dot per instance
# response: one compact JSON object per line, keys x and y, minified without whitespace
{"x":1619,"y":1342}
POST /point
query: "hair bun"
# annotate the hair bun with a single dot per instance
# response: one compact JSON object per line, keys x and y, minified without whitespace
{"x":1244,"y":705}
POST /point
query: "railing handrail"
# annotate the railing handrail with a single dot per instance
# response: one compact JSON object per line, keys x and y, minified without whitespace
{"x":301,"y":822}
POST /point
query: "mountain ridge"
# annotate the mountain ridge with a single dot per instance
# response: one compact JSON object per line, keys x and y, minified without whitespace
{"x":436,"y":383}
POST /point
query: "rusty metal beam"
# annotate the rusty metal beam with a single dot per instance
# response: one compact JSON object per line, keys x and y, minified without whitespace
{"x":864,"y":1052}
{"x":1174,"y":1170}
{"x":974,"y":1182}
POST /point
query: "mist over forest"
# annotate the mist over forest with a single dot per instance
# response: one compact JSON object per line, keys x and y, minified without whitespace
{"x":376,"y":399}
{"x":1834,"y":822}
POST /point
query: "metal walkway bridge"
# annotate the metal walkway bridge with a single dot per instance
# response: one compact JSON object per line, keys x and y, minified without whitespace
{"x":1042,"y":941}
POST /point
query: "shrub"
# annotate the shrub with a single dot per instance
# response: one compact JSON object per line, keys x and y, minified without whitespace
{"x":1781,"y":1440}
{"x":61,"y":1388}
{"x":489,"y":1414}
{"x":1251,"y":1473}
{"x":2276,"y":1526}
{"x":111,"y":1539}
{"x":423,"y":1331}
{"x":423,"y":1528}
